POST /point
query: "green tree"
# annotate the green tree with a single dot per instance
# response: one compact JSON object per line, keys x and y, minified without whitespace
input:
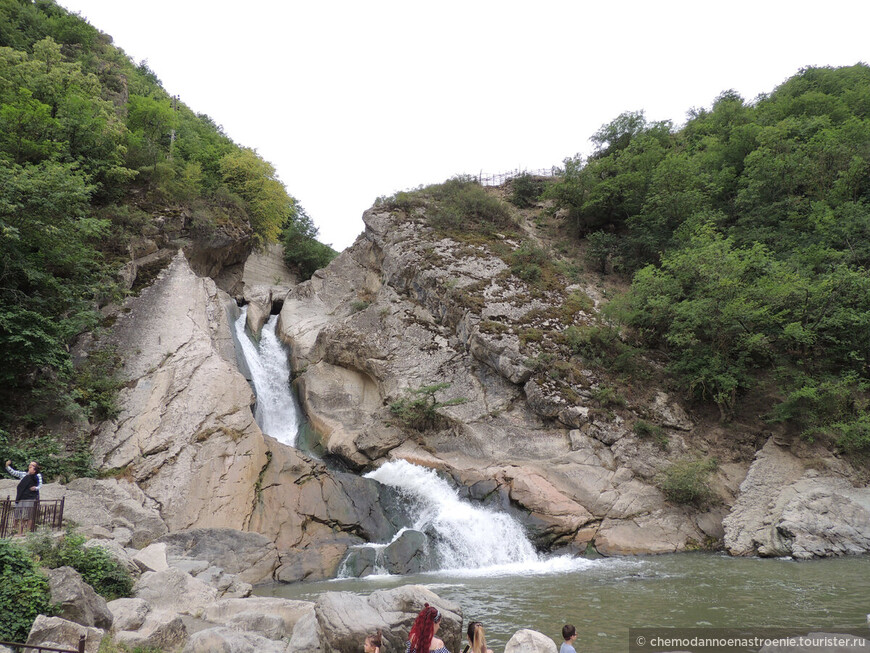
{"x":268,"y":205}
{"x":302,"y":250}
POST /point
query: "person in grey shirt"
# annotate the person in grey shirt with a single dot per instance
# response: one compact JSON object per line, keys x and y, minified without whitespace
{"x":569,"y":634}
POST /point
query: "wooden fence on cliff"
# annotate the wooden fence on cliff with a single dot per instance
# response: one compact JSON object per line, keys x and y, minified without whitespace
{"x":500,"y":178}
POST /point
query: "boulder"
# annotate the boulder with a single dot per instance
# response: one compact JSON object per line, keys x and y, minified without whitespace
{"x":118,"y":552}
{"x":259,"y":306}
{"x":162,"y":630}
{"x":228,"y":640}
{"x":406,"y":554}
{"x":250,"y":556}
{"x":55,"y":632}
{"x":175,"y":591}
{"x":128,"y":614}
{"x":227,"y":585}
{"x":530,"y":641}
{"x":345,"y":619}
{"x":152,"y":557}
{"x":361,"y":561}
{"x":275,"y":618}
{"x":77,"y":601}
{"x":306,"y":635}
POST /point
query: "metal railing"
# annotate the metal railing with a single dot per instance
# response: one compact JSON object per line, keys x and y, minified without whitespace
{"x":497,"y":179}
{"x":23,"y":648}
{"x":27,"y":519}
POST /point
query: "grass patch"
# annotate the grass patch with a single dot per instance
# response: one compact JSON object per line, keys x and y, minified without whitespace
{"x":686,"y":482}
{"x":419,"y":410}
{"x":649,"y":431}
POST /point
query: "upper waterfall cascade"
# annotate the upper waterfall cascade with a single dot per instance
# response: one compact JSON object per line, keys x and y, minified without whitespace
{"x":277,"y":412}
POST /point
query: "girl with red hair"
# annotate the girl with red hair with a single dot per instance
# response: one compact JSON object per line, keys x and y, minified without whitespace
{"x":422,"y":637}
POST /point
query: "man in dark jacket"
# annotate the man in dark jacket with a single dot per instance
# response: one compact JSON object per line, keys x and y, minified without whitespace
{"x":27,"y":493}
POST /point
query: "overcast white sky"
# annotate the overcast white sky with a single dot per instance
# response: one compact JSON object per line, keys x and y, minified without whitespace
{"x":350,"y":100}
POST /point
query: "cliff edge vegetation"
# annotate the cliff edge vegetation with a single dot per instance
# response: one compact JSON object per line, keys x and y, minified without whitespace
{"x":745,"y":234}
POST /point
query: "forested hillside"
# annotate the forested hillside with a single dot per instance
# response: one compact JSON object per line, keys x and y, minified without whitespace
{"x":91,"y":148}
{"x":746,"y":233}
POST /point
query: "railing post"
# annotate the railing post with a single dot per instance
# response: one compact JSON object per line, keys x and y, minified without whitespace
{"x":4,"y":517}
{"x":59,"y":517}
{"x":82,"y":640}
{"x":34,"y":515}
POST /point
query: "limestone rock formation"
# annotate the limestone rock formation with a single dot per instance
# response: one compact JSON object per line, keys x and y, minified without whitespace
{"x":76,"y":600}
{"x":187,"y":439}
{"x":789,"y":508}
{"x":55,"y":632}
{"x":404,"y":308}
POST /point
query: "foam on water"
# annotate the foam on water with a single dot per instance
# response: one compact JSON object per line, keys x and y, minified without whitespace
{"x":469,"y":540}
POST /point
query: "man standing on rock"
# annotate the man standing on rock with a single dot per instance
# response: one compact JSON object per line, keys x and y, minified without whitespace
{"x":27,"y":493}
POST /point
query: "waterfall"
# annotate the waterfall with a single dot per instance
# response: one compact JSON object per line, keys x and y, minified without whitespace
{"x":443,"y":531}
{"x":277,"y":412}
{"x":465,"y":537}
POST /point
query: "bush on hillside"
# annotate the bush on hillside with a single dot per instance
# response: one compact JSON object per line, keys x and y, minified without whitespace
{"x":687,"y":482}
{"x":526,"y":189}
{"x":24,"y":592}
{"x":98,"y":568}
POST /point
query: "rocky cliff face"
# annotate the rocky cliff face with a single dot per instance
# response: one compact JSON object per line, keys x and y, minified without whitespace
{"x":187,"y":440}
{"x":405,"y":308}
{"x":402,"y":309}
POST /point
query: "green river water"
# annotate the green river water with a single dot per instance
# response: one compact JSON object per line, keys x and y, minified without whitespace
{"x":606,"y":597}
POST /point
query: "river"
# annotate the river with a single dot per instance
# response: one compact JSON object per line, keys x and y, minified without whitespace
{"x":607,"y":596}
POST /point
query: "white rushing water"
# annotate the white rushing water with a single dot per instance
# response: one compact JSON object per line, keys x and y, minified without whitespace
{"x":468,"y":539}
{"x":277,"y":413}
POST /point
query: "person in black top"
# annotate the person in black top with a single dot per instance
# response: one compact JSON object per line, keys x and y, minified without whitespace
{"x":27,"y":492}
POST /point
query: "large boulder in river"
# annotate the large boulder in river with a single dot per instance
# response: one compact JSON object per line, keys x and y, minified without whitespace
{"x":407,"y":554}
